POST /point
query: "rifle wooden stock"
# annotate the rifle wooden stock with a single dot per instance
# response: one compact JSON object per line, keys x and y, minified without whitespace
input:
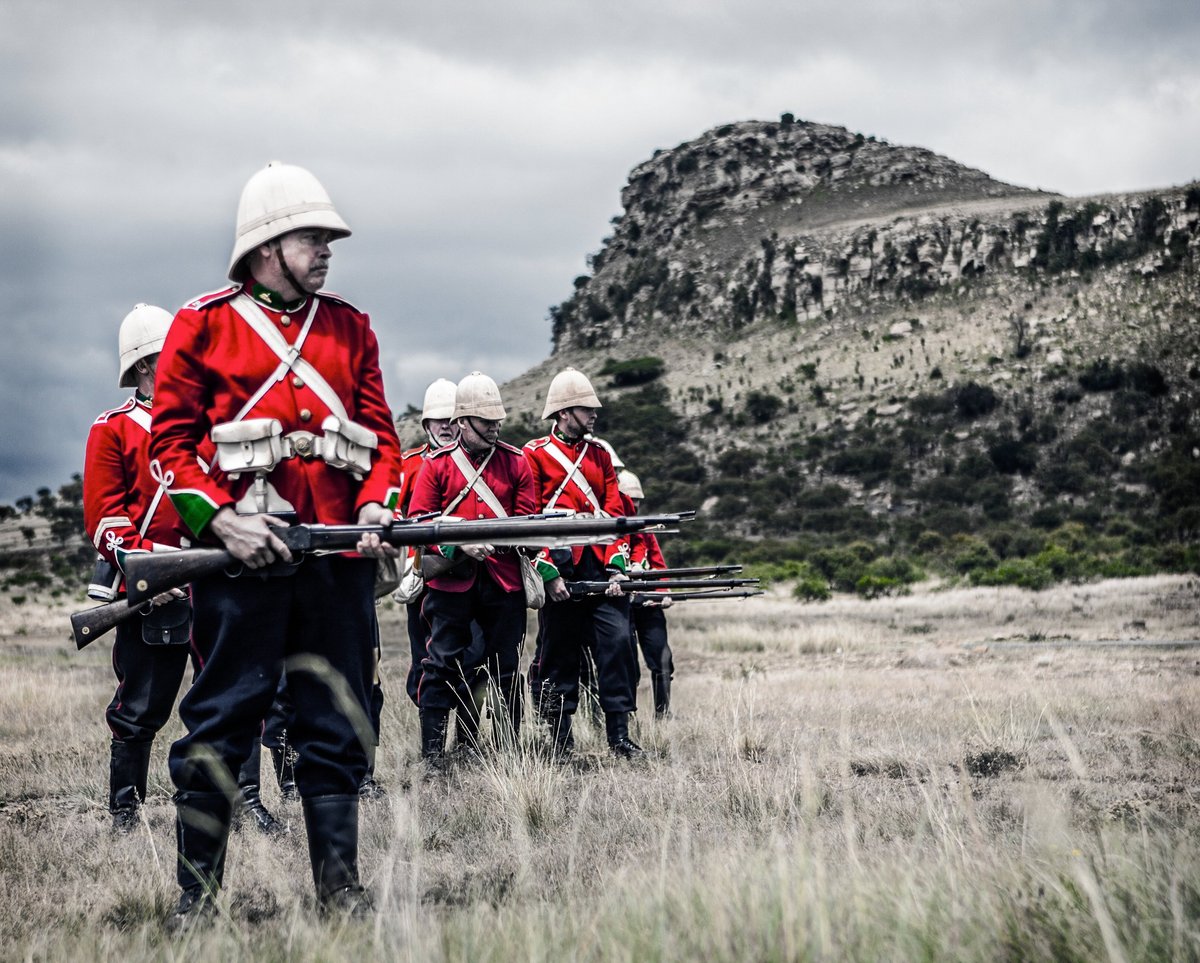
{"x":146,"y":575}
{"x":87,"y":626}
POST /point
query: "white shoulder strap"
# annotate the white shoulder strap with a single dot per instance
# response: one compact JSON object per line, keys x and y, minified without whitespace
{"x":289,"y":357}
{"x":573,"y":474}
{"x":474,"y":477}
{"x":140,"y":417}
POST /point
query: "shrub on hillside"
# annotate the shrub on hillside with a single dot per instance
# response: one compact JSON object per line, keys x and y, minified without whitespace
{"x":974,"y":400}
{"x":635,"y":371}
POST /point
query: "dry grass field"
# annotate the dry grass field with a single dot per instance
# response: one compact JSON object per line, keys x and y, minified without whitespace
{"x":931,"y":777}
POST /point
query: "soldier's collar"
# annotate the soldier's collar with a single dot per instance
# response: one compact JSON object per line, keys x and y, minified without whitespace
{"x":273,"y":299}
{"x":147,"y":400}
{"x":565,"y":440}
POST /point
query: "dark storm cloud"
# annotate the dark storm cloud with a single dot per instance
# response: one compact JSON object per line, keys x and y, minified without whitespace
{"x":478,"y":150}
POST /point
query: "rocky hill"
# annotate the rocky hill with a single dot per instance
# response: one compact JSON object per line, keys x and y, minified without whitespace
{"x":819,"y":336}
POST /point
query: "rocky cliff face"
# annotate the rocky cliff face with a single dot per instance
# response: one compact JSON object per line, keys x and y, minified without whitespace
{"x":791,"y":221}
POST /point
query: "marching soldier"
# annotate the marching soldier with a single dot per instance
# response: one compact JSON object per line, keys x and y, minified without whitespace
{"x":271,"y":407}
{"x":125,"y":512}
{"x":649,"y":618}
{"x":478,"y":476}
{"x":573,"y":472}
{"x":440,"y":431}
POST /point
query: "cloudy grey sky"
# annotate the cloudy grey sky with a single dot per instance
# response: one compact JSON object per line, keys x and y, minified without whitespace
{"x":478,"y":149}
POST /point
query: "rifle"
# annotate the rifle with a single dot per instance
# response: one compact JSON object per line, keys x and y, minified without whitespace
{"x":90,"y":624}
{"x":631,"y":586}
{"x":694,"y":572}
{"x":149,"y":574}
{"x":641,"y":598}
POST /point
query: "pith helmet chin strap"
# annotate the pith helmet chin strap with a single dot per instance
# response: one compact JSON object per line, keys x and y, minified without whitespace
{"x":287,"y":271}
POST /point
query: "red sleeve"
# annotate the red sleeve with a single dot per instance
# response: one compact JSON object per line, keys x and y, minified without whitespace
{"x":181,"y":400}
{"x":427,"y":495}
{"x":382,"y":484}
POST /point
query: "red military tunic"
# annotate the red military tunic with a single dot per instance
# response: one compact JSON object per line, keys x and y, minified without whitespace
{"x":118,"y":488}
{"x":644,"y":552}
{"x":600,"y":476}
{"x":410,"y":467}
{"x":507,"y":475}
{"x":213,"y":362}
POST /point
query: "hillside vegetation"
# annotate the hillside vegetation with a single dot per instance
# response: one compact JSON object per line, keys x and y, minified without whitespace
{"x":867,"y":362}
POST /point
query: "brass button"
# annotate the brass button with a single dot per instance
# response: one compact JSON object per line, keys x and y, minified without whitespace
{"x":285,"y":321}
{"x":298,"y":382}
{"x":305,"y":414}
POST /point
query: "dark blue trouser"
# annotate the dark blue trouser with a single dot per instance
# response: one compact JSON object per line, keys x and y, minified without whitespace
{"x":598,"y":624}
{"x":246,"y":630}
{"x":650,"y":630}
{"x":457,"y":621}
{"x":148,"y":679}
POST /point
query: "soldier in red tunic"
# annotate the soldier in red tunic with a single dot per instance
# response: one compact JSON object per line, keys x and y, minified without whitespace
{"x":271,"y":407}
{"x":478,"y":476}
{"x":649,"y":620}
{"x":572,"y":472}
{"x":125,"y":511}
{"x":440,"y":431}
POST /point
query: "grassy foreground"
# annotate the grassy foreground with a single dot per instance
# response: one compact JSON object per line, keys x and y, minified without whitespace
{"x":858,"y":780}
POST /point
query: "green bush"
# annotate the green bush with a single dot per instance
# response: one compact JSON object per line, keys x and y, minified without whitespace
{"x":762,"y":407}
{"x":975,"y":556}
{"x":1020,"y":572}
{"x":635,"y":371}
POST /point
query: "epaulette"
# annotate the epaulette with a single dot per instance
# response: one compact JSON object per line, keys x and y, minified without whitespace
{"x":507,"y":447}
{"x":213,"y":297}
{"x":413,"y":452}
{"x":103,"y":417}
{"x":445,"y":449}
{"x":538,"y":442}
{"x":329,"y":295}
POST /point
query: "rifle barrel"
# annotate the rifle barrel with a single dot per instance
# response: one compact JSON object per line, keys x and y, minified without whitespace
{"x":149,"y":574}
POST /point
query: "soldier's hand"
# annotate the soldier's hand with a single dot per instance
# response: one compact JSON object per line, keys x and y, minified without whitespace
{"x":170,"y":595}
{"x":666,"y":602}
{"x":248,"y":537}
{"x":371,"y":545}
{"x":614,"y":584}
{"x":479,"y":552}
{"x":557,"y":591}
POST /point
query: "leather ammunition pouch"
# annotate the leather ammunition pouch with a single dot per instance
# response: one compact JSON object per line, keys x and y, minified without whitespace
{"x":347,"y":445}
{"x":168,"y":624}
{"x":253,"y":445}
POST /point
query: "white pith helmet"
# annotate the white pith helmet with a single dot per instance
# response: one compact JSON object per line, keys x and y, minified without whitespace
{"x":439,"y":401}
{"x":478,"y":397}
{"x":616,"y":459}
{"x":629,"y":484}
{"x":278,"y":199}
{"x":142,"y":334}
{"x":568,"y":389}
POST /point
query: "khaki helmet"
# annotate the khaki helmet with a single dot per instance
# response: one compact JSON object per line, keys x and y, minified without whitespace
{"x":616,"y":459}
{"x":478,"y":397}
{"x":439,"y":401}
{"x":142,"y":334}
{"x":629,"y":484}
{"x":568,"y":389}
{"x":278,"y":199}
